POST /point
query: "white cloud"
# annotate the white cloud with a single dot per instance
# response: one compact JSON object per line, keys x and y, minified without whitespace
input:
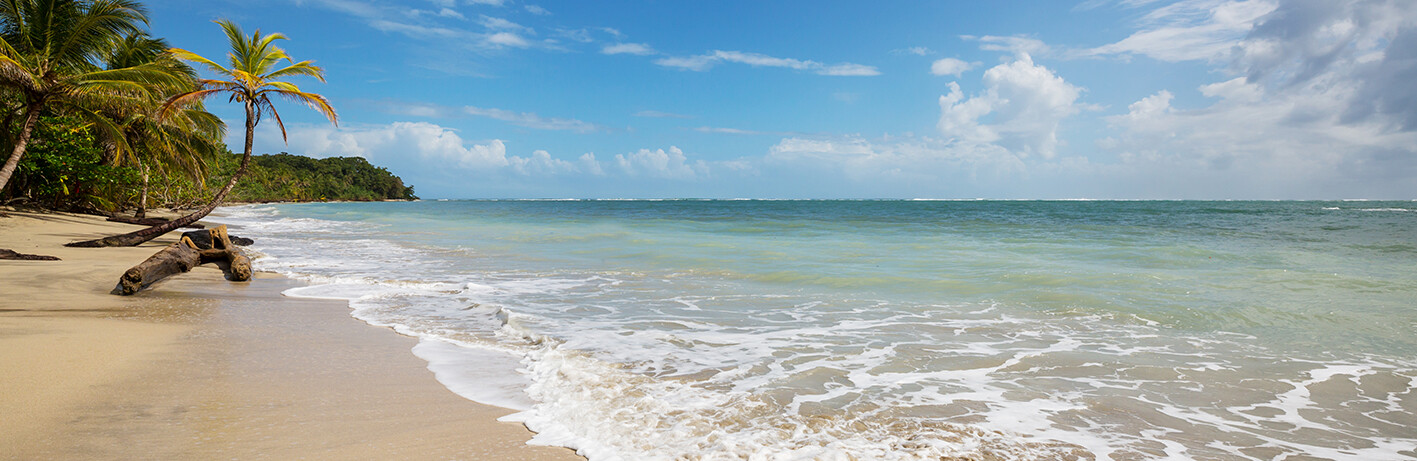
{"x":507,"y":39}
{"x":589,"y":165}
{"x":537,"y":10}
{"x":397,"y":142}
{"x":426,"y":147}
{"x":452,"y":42}
{"x":502,"y":24}
{"x":890,"y":160}
{"x":850,"y":70}
{"x":915,"y":50}
{"x":721,"y":130}
{"x":950,"y":66}
{"x":1191,"y":30}
{"x":659,"y":163}
{"x":416,"y":31}
{"x":1025,"y":103}
{"x":658,"y":114}
{"x":541,"y":164}
{"x":531,"y":120}
{"x":639,"y":49}
{"x":694,"y":63}
{"x":706,"y":61}
{"x":444,"y":12}
{"x":1016,"y":44}
{"x":578,"y":35}
{"x":526,"y":119}
{"x":1320,"y":96}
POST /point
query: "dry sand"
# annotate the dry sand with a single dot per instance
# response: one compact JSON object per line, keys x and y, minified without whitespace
{"x":201,"y":368}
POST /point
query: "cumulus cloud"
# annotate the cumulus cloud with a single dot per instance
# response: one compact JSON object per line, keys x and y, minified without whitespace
{"x":1024,"y":103}
{"x":397,"y":142}
{"x":541,"y":164}
{"x":706,"y":61}
{"x":659,"y":163}
{"x":422,"y":146}
{"x":950,"y":66}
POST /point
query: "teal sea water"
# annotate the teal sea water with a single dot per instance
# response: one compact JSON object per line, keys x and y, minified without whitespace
{"x":734,"y":329}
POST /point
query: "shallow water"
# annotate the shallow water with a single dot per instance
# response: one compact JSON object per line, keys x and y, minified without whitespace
{"x":894,"y":329}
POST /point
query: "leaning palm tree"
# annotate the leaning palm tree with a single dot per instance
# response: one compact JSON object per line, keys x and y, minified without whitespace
{"x":252,"y":79}
{"x":49,"y":57}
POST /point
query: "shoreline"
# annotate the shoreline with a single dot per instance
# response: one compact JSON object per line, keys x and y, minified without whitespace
{"x":198,"y":367}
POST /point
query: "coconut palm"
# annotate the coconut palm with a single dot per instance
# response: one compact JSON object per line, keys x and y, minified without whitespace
{"x":184,"y":139}
{"x":251,"y":79}
{"x":49,"y":58}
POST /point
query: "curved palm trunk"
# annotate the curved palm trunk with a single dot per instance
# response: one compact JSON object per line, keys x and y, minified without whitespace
{"x":137,"y":237}
{"x":31,"y":116}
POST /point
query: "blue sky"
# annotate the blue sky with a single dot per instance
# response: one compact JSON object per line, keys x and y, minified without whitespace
{"x":1202,"y":99}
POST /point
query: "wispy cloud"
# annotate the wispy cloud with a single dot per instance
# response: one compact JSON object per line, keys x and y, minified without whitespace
{"x":1016,"y":44}
{"x":531,"y":120}
{"x":700,"y":63}
{"x":433,"y":25}
{"x":658,"y":114}
{"x":537,"y":10}
{"x":523,"y":119}
{"x":1190,"y":30}
{"x":639,"y":49}
{"x":723,"y":130}
{"x":502,"y":24}
{"x":915,"y":50}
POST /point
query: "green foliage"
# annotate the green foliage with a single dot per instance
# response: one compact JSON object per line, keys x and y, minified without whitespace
{"x":63,"y":169}
{"x":284,"y":177}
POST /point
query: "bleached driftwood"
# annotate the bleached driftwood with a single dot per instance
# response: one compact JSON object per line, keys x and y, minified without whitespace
{"x":193,"y":249}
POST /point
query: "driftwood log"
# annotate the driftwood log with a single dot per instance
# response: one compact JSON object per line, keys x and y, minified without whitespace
{"x":12,"y":254}
{"x":193,"y":249}
{"x":149,"y":221}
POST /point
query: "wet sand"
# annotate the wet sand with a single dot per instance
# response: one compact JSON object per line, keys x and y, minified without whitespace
{"x":199,"y":368}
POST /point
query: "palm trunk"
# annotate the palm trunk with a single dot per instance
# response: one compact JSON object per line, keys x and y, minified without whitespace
{"x":143,"y":200}
{"x":31,"y":116}
{"x":137,"y":237}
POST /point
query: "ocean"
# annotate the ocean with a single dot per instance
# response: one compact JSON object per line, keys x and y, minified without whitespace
{"x":892,"y":329}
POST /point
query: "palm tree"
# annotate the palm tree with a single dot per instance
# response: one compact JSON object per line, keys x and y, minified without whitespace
{"x":184,"y":139}
{"x":49,"y":53}
{"x":251,"y":80}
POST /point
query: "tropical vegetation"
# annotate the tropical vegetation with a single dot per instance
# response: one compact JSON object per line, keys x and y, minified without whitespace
{"x":96,"y":115}
{"x":254,"y":75}
{"x":284,"y":177}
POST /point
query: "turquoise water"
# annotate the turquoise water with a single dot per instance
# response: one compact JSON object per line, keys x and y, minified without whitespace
{"x":895,"y":329}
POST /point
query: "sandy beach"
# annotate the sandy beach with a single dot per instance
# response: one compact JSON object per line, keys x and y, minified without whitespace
{"x":201,"y":368}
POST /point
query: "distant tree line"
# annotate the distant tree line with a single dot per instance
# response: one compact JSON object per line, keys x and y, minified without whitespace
{"x":294,"y":178}
{"x":64,"y":170}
